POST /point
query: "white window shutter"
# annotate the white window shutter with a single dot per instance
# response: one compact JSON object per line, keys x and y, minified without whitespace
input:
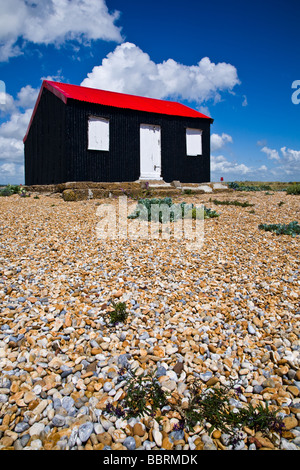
{"x":98,"y":134}
{"x":193,"y":142}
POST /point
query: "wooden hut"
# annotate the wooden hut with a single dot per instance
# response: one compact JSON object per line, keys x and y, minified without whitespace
{"x":85,"y":134}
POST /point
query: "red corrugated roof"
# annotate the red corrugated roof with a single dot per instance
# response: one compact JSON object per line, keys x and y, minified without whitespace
{"x":64,"y":91}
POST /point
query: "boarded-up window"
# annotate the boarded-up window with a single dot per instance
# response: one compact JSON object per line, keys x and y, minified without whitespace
{"x":193,"y":142}
{"x":98,"y":133}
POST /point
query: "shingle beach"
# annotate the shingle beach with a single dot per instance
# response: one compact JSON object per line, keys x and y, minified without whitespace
{"x":230,"y":310}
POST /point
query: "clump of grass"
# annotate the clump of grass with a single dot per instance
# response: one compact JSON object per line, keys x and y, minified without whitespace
{"x":232,"y":203}
{"x":293,"y":189}
{"x":292,"y":228}
{"x":119,"y":314}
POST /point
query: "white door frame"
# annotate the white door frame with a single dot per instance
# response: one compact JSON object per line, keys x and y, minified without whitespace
{"x":150,"y":152}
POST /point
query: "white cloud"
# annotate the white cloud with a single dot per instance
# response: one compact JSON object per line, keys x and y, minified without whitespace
{"x":218,"y":141}
{"x":16,"y":126}
{"x":12,"y":131}
{"x":291,"y":156}
{"x":130,"y":70}
{"x":11,"y":173}
{"x":271,"y":153}
{"x":245,"y":101}
{"x":54,"y":22}
{"x":7,"y":104}
{"x":220,"y":165}
{"x":286,"y":161}
{"x":27,"y":96}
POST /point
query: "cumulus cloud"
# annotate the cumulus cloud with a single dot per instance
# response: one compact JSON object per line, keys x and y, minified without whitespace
{"x":130,"y":70}
{"x":27,"y":96}
{"x":221,"y":165}
{"x":17,"y":113}
{"x":286,"y":161}
{"x":218,"y":141}
{"x":54,"y":22}
{"x":271,"y":153}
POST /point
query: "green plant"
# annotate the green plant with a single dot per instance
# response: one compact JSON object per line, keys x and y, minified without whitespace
{"x":196,"y":213}
{"x":292,"y":228}
{"x":214,"y":406}
{"x":293,"y":189}
{"x":119,"y":314}
{"x":232,"y":203}
{"x":243,"y":187}
{"x":144,"y":395}
{"x":10,"y":189}
{"x":153,"y":210}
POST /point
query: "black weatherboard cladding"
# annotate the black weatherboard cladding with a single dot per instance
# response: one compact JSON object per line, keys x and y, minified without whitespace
{"x":45,"y":144}
{"x":122,"y":162}
{"x":56,"y":149}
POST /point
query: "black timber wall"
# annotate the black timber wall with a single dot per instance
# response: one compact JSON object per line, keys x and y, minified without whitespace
{"x":122,"y":162}
{"x":56,"y":149}
{"x":44,"y":147}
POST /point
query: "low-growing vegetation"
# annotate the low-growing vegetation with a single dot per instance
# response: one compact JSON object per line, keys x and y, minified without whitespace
{"x":11,"y":189}
{"x":119,"y":313}
{"x":153,"y":210}
{"x":293,"y":189}
{"x":249,"y":187}
{"x":293,"y":228}
{"x":231,"y":203}
{"x":213,"y":407}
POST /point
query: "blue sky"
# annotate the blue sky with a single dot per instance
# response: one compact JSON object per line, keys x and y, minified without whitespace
{"x":236,"y":61}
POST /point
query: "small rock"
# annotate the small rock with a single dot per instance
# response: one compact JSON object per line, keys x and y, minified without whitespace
{"x":157,"y":436}
{"x":130,"y":443}
{"x":139,"y":430}
{"x":84,"y":431}
{"x":290,"y":422}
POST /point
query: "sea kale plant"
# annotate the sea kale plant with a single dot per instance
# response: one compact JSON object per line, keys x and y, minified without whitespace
{"x":293,"y":228}
{"x":154,"y":210}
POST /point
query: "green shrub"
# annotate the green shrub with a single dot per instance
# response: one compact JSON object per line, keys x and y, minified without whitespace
{"x":144,"y":211}
{"x":293,"y":189}
{"x":243,"y":187}
{"x":119,"y":314}
{"x":292,"y":228}
{"x":10,"y":189}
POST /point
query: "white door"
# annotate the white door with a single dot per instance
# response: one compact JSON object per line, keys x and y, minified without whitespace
{"x":150,"y":152}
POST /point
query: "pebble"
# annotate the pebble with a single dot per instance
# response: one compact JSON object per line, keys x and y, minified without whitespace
{"x":84,"y":431}
{"x":228,"y":311}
